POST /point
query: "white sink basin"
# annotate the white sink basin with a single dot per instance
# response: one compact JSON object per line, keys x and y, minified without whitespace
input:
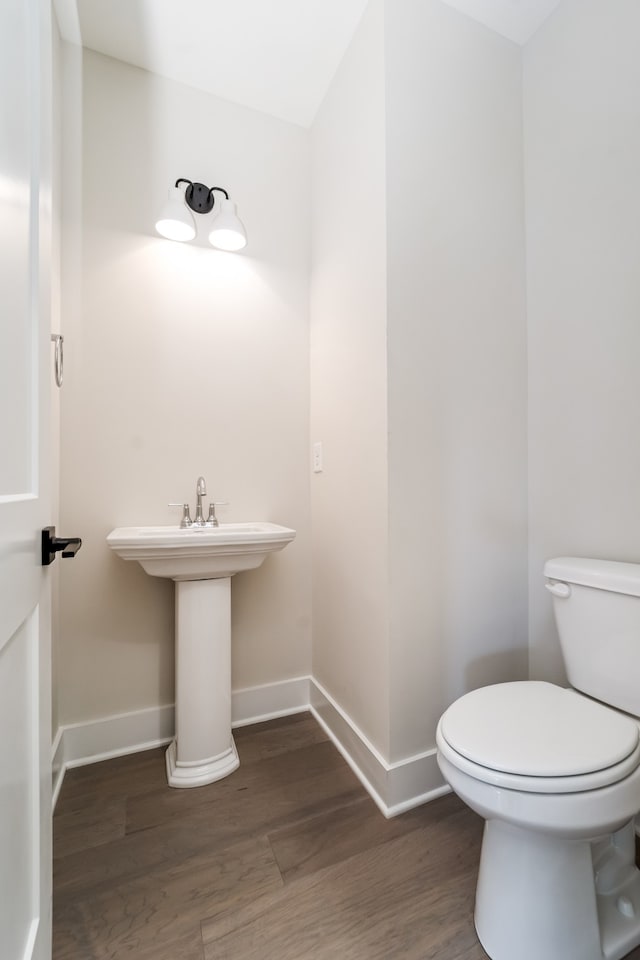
{"x":201,"y":560}
{"x":199,"y":553}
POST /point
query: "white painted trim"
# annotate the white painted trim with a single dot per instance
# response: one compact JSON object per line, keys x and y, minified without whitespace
{"x":268,"y":701}
{"x":66,"y":12}
{"x":118,"y":735}
{"x":77,"y":744}
{"x":371,"y":790}
{"x":31,"y":939}
{"x":395,"y":787}
{"x":57,"y":765}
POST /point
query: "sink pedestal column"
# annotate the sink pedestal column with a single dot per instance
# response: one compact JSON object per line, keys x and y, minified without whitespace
{"x":203,"y":749}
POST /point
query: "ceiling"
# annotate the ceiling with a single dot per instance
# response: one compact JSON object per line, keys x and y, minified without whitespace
{"x":277,"y":56}
{"x":517,"y":20}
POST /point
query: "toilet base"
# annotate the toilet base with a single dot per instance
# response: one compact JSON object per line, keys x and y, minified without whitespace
{"x":536,"y":897}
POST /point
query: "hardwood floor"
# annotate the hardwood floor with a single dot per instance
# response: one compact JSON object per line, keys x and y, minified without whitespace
{"x":286,"y":859}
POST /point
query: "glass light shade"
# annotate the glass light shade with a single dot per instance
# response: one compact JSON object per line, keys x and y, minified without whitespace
{"x":176,"y":220}
{"x":227,"y":231}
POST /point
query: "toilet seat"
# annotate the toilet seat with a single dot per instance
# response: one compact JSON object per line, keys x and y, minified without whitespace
{"x":537,"y":737}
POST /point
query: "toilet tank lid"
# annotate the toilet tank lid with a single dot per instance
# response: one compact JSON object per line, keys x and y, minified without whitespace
{"x":610,"y":575}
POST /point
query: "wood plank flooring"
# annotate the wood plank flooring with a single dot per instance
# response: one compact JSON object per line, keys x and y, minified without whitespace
{"x":286,"y":859}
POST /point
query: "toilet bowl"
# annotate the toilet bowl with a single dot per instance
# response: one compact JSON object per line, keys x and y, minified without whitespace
{"x":555,"y":773}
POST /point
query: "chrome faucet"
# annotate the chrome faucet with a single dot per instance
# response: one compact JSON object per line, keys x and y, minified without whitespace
{"x":199,"y":520}
{"x":201,"y":491}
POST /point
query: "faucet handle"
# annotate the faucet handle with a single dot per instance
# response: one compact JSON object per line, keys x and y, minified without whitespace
{"x":212,"y":520}
{"x":186,"y":516}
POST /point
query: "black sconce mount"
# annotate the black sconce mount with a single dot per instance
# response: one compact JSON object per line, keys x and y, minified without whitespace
{"x":198,"y":196}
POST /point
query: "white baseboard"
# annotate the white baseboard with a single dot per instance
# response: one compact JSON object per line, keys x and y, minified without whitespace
{"x":271,"y":700}
{"x":57,"y":766}
{"x":395,"y":787}
{"x":77,"y":744}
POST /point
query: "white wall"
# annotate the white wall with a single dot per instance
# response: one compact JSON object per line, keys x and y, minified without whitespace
{"x":457,"y":364}
{"x":487,"y":401}
{"x":349,"y":386}
{"x":582,"y":150}
{"x":419,"y":372}
{"x":181,"y":361}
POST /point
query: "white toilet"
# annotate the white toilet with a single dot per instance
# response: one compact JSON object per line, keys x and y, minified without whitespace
{"x":556,"y":775}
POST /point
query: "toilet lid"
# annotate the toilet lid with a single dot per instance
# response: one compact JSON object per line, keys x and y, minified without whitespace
{"x":537,"y":729}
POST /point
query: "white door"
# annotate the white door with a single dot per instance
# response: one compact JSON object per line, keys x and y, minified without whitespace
{"x":25,"y":631}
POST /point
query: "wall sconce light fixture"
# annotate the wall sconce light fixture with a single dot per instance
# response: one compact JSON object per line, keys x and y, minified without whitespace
{"x":176,"y":221}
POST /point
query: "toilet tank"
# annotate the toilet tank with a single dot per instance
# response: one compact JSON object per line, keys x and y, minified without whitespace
{"x":596,"y":604}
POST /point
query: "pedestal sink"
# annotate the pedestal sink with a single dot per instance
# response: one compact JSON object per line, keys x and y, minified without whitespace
{"x":202,"y":561}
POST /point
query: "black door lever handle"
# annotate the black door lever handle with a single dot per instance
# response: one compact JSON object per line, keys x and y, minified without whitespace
{"x":51,"y":545}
